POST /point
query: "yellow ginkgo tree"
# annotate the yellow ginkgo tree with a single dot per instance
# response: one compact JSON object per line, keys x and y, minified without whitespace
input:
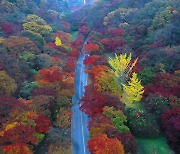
{"x":133,"y":91}
{"x":131,"y":88}
{"x":122,"y":66}
{"x":58,"y":41}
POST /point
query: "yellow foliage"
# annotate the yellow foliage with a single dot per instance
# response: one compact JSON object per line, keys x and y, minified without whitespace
{"x":7,"y":84}
{"x":120,"y":63}
{"x":10,"y":126}
{"x":133,"y":91}
{"x":1,"y":39}
{"x":106,"y":82}
{"x":58,"y":41}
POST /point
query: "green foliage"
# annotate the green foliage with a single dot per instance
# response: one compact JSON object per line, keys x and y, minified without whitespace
{"x":39,"y":136}
{"x":146,"y":76}
{"x":162,"y":18}
{"x":34,"y":27}
{"x":142,"y":124}
{"x":37,"y":38}
{"x":26,"y":56}
{"x":27,"y":89}
{"x":35,"y":18}
{"x":117,"y":117}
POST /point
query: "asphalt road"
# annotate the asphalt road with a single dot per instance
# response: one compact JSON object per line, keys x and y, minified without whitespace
{"x":80,"y":120}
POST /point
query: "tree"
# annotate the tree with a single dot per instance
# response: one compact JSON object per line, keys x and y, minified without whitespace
{"x":7,"y":84}
{"x":19,"y":148}
{"x":170,"y":122}
{"x":19,"y":134}
{"x":133,"y":91}
{"x":122,"y":66}
{"x":51,"y":75}
{"x":105,"y":82}
{"x":92,"y":102}
{"x":102,"y":144}
{"x":91,"y":47}
{"x":9,"y":109}
{"x":43,"y":124}
{"x":117,"y":117}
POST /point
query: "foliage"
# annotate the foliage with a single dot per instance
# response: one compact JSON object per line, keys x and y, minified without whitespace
{"x":8,"y":28}
{"x":43,"y":104}
{"x":63,"y":118}
{"x":35,"y":37}
{"x":146,"y":75}
{"x":17,"y":45}
{"x":91,"y":47}
{"x":42,"y":124}
{"x":117,"y":117}
{"x":20,"y":133}
{"x":163,"y":18}
{"x":156,"y":104}
{"x":58,"y":41}
{"x":35,"y":18}
{"x":27,"y":89}
{"x":49,"y":76}
{"x":170,"y":122}
{"x":127,"y":139}
{"x":17,"y":148}
{"x":119,"y":14}
{"x":9,"y":109}
{"x":133,"y":91}
{"x":122,"y":66}
{"x":36,"y":28}
{"x":165,"y":84}
{"x":7,"y":84}
{"x":142,"y":124}
{"x":102,"y":144}
{"x":105,"y":82}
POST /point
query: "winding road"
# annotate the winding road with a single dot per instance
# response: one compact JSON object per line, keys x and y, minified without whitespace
{"x":80,"y":120}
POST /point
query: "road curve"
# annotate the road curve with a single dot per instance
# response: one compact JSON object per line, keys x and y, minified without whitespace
{"x":80,"y":120}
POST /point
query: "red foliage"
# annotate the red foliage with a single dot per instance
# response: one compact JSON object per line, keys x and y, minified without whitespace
{"x":91,"y":47}
{"x":70,"y":65}
{"x":89,"y":60}
{"x":56,"y":59}
{"x":49,"y":75}
{"x":20,"y":133}
{"x":17,"y":148}
{"x":165,"y":84}
{"x":127,"y":139}
{"x":171,"y":123}
{"x":115,"y":32}
{"x":109,"y":44}
{"x":8,"y":28}
{"x":66,"y":25}
{"x":45,"y":91}
{"x":43,"y":124}
{"x":9,"y":108}
{"x":98,"y":119}
{"x":74,"y":53}
{"x":92,"y":102}
{"x":83,"y":30}
{"x":78,"y":42}
{"x":52,"y":45}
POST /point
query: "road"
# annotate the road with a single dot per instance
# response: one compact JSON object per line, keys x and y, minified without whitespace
{"x":79,"y":119}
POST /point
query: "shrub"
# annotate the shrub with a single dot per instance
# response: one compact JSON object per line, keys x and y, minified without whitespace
{"x":142,"y":124}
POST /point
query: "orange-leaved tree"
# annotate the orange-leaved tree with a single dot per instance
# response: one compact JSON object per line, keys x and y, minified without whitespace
{"x":101,"y":144}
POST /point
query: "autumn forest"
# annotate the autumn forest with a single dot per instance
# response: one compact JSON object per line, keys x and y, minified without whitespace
{"x":132,"y":96}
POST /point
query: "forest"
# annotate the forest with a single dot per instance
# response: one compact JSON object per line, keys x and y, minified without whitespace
{"x":132,"y":96}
